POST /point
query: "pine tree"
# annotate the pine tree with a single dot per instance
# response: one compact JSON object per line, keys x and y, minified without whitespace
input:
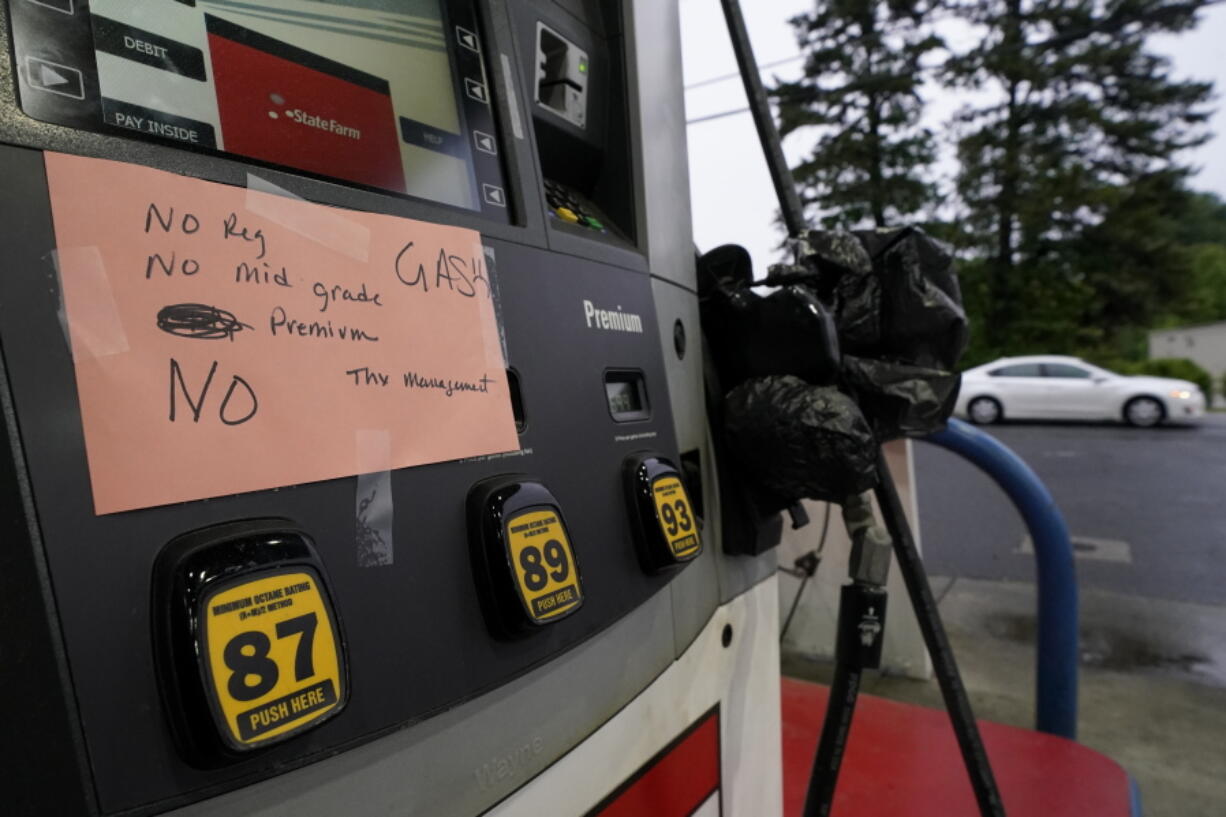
{"x":860,"y":89}
{"x":1082,"y":111}
{"x":1134,"y":260}
{"x":1200,"y":230}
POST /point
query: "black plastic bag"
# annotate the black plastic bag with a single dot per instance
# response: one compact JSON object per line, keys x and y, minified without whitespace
{"x":792,"y":439}
{"x":901,"y":399}
{"x":902,"y":330}
{"x":908,"y":306}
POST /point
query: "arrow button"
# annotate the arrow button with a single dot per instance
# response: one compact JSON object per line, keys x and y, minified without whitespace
{"x":467,"y":39}
{"x":476,"y":90}
{"x":494,"y":195}
{"x":55,"y":78}
{"x":485,"y":143}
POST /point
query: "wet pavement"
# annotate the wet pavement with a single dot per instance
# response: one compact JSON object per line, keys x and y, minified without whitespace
{"x":1146,"y":507}
{"x":1144,"y":636}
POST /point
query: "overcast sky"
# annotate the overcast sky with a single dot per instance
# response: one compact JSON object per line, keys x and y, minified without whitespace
{"x":733,"y":201}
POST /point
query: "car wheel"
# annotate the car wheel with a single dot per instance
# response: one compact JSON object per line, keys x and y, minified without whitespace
{"x":1144,"y":412}
{"x":984,"y":411}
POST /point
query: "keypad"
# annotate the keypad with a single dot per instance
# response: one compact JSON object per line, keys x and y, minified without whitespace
{"x":568,"y":206}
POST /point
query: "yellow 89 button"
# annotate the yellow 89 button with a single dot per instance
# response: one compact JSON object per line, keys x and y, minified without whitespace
{"x":272,"y":660}
{"x":523,"y":560}
{"x":544,"y":564}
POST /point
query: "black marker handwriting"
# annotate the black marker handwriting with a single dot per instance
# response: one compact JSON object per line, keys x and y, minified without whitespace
{"x":188,"y":224}
{"x":455,"y":273}
{"x":246,"y":273}
{"x":188,"y":266}
{"x":418,"y":278}
{"x":330,"y":295}
{"x":449,"y":386}
{"x":199,"y":321}
{"x":232,"y":230}
{"x":367,"y":376}
{"x":280,"y":323}
{"x":179,"y":384}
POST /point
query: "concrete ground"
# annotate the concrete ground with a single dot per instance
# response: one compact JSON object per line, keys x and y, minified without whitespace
{"x":1148,"y":517}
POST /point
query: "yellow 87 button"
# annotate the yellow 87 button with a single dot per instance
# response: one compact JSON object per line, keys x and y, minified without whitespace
{"x":272,"y":662}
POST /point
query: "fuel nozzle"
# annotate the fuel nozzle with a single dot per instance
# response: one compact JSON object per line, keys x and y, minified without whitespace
{"x":871,"y":546}
{"x":862,"y":602}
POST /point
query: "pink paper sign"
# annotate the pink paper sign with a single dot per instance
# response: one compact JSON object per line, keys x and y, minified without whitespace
{"x":228,"y":340}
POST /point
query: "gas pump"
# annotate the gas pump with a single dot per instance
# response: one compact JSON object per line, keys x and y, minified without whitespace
{"x":355,"y":453}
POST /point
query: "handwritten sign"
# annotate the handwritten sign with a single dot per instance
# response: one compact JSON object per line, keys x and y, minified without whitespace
{"x":228,"y":340}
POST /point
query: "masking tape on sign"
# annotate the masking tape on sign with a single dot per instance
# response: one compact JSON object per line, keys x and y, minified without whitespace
{"x":96,"y":330}
{"x":374,"y":510}
{"x":323,"y":225}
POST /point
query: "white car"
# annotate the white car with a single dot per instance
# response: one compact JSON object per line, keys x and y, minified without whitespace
{"x":1052,"y":387}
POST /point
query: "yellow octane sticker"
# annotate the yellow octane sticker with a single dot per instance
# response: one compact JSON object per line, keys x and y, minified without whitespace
{"x":544,"y":564}
{"x":271,"y":655}
{"x":676,"y":518}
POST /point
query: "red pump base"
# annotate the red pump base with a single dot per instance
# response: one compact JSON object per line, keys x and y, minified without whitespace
{"x":903,"y":760}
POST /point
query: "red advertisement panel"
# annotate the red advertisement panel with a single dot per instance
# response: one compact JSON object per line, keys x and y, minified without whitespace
{"x":284,"y":105}
{"x":676,"y":781}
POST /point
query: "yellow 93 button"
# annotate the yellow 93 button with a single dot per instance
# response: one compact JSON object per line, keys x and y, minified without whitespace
{"x":662,"y":519}
{"x":674,"y":515}
{"x":523,"y":559}
{"x":272,"y":666}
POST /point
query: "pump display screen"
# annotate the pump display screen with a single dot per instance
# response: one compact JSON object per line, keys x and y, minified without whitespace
{"x":623,"y":397}
{"x":627,"y":396}
{"x":389,"y":94}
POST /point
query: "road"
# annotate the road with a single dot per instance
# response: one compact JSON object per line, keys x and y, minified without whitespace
{"x":1147,"y":507}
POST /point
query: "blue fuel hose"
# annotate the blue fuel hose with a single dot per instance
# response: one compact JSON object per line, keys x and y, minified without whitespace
{"x":1057,"y":648}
